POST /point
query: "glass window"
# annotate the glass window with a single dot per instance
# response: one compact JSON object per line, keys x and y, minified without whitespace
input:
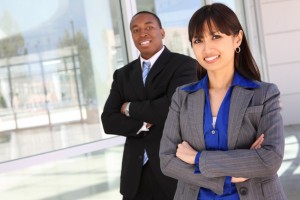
{"x":56,"y":63}
{"x":174,"y":16}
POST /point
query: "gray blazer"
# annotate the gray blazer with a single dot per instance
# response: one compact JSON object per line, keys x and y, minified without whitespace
{"x":252,"y":112}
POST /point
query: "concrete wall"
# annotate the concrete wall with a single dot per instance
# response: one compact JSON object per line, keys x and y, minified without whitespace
{"x":281,"y":33}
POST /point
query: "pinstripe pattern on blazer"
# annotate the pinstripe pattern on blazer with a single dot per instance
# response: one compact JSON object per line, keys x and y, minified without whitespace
{"x":252,"y":112}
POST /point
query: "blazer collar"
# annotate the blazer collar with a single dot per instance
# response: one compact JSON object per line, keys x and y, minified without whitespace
{"x":240,"y":99}
{"x":158,"y":65}
{"x":238,"y":80}
{"x":136,"y":74}
{"x":137,"y":80}
{"x":239,"y":102}
{"x":196,"y":109}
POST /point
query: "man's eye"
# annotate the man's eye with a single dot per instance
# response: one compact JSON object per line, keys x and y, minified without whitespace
{"x":149,"y":28}
{"x":135,"y":30}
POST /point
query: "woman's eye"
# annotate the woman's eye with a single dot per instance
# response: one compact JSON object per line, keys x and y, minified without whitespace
{"x":197,"y":41}
{"x":214,"y":37}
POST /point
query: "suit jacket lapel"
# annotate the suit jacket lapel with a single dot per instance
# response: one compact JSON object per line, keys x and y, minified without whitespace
{"x":240,"y":99}
{"x":196,"y":109}
{"x":137,"y":80}
{"x":158,"y":65}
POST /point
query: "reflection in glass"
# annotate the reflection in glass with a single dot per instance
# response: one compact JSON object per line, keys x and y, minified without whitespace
{"x":56,"y":63}
{"x":174,"y":16}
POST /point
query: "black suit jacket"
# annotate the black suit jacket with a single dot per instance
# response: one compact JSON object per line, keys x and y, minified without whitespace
{"x":149,"y":103}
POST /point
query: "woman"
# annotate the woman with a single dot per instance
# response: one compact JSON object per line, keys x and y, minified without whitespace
{"x":223,"y":138}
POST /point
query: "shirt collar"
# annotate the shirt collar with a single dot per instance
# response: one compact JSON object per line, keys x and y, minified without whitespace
{"x":238,"y":80}
{"x":153,"y":59}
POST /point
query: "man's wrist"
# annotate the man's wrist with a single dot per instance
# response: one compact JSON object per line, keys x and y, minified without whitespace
{"x":127,"y":109}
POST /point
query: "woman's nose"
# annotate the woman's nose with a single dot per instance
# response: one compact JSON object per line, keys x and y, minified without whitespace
{"x":206,"y":46}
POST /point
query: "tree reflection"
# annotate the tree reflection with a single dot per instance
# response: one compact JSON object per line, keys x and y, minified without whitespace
{"x":79,"y":45}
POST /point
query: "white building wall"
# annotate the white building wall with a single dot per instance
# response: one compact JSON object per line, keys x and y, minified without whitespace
{"x":281,"y":32}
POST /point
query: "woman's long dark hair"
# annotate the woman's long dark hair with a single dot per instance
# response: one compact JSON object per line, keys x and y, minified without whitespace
{"x":225,"y":20}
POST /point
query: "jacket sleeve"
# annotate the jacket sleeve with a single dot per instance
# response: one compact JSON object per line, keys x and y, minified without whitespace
{"x":170,"y":164}
{"x":155,"y":110}
{"x":113,"y":121}
{"x":251,"y":163}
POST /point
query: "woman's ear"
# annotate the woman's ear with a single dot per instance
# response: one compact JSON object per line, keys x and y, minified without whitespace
{"x":239,"y":38}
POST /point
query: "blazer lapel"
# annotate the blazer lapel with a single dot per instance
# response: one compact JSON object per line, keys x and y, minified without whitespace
{"x":196,"y":109}
{"x":137,"y":80}
{"x":240,"y":99}
{"x":158,"y":65}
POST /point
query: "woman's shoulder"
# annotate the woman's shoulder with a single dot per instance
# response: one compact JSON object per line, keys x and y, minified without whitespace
{"x":267,"y":86}
{"x":266,"y":91}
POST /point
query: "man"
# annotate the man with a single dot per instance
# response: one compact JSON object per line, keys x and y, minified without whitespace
{"x":138,"y":105}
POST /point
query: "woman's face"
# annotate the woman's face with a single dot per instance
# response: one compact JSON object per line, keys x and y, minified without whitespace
{"x":215,"y":51}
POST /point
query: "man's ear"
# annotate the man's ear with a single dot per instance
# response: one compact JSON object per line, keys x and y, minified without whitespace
{"x":162,"y":33}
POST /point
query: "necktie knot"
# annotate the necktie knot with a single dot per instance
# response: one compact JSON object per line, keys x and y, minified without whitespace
{"x":146,"y":69}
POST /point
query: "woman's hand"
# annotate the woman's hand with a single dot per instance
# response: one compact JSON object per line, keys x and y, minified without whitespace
{"x":238,"y":180}
{"x":258,"y":142}
{"x":186,"y":153}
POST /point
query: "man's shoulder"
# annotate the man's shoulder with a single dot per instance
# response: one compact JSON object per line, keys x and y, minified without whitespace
{"x":181,"y":56}
{"x":128,"y":66}
{"x":179,"y":60}
{"x":176,"y":55}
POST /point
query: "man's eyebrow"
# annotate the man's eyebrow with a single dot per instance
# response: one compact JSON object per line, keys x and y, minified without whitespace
{"x":133,"y":26}
{"x":149,"y":22}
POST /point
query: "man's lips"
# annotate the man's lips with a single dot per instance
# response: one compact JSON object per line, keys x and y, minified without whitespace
{"x":145,"y":43}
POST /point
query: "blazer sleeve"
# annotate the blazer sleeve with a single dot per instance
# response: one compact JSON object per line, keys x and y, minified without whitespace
{"x":252,"y":163}
{"x":174,"y":167}
{"x":155,"y":110}
{"x":113,"y":121}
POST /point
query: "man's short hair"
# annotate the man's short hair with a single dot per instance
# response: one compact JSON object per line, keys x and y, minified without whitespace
{"x":150,"y":13}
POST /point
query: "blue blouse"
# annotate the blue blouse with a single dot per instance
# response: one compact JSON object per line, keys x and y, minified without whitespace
{"x":216,"y":137}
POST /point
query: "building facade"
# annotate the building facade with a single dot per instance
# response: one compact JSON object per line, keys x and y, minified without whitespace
{"x":57,"y":59}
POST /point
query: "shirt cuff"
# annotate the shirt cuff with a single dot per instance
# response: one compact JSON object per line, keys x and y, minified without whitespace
{"x":197,"y":168}
{"x":143,"y":128}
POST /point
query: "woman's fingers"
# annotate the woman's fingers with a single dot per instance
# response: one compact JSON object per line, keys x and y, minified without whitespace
{"x":258,"y":142}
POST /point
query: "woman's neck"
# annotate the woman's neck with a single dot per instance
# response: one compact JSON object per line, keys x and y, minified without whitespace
{"x":220,"y":81}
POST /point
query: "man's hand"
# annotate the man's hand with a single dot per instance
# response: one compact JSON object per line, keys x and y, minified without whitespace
{"x":148,"y":125}
{"x":123,"y":108}
{"x":186,"y":153}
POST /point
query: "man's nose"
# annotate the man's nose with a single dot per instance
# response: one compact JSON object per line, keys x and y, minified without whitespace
{"x":143,"y":33}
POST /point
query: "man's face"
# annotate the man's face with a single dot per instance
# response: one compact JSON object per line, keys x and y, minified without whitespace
{"x":146,"y":34}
